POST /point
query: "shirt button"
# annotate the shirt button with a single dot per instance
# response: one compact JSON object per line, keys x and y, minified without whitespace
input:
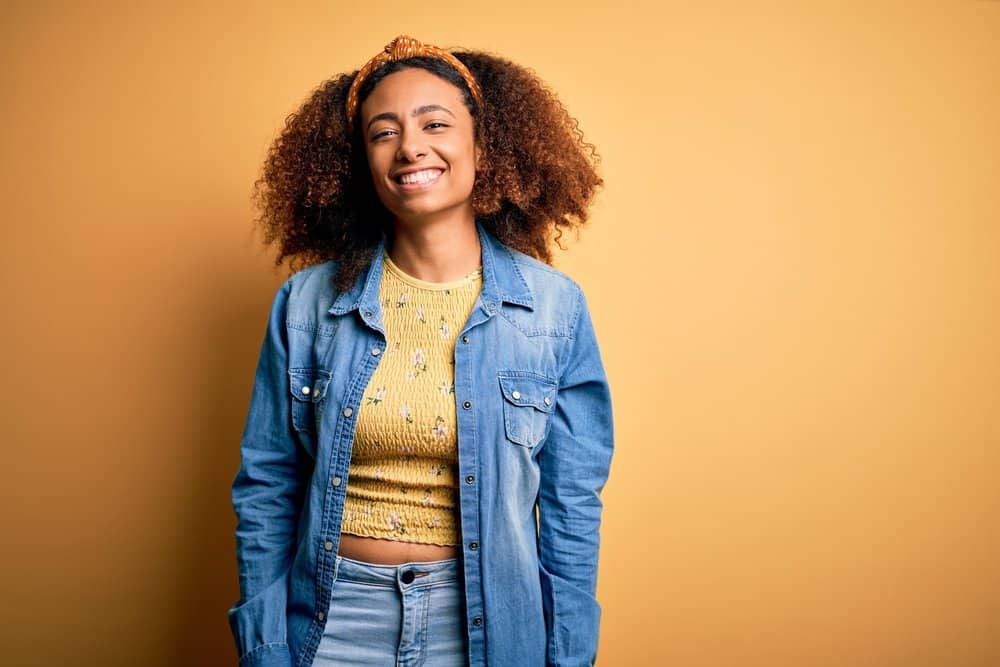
{"x":368,"y":313}
{"x":305,"y":390}
{"x":376,"y":351}
{"x":469,"y":479}
{"x":467,"y":404}
{"x":490,"y":306}
{"x":477,"y":621}
{"x":515,"y":394}
{"x":335,"y":481}
{"x":547,"y":401}
{"x":320,"y":616}
{"x":473,"y":545}
{"x":348,"y":412}
{"x":465,"y":339}
{"x":328,"y":545}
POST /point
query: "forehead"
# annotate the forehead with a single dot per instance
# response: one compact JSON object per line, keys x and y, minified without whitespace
{"x":409,"y":88}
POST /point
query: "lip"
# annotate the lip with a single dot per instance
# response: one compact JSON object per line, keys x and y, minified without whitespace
{"x":415,"y":187}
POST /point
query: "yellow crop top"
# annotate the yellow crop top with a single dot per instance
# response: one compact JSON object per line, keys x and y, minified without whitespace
{"x":403,"y":478}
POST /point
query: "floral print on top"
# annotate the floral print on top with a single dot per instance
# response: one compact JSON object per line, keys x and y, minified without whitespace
{"x":403,"y":478}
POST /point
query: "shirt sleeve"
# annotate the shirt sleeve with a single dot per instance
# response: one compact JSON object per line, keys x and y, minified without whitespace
{"x":267,"y":498}
{"x":574,"y":461}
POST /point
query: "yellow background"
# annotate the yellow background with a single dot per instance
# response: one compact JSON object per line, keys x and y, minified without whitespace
{"x":794,"y":271}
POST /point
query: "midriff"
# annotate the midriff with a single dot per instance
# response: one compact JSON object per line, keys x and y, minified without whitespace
{"x":392,"y":552}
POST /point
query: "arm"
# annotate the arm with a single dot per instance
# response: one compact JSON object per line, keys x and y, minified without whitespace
{"x":574,"y":460}
{"x":266,"y":495}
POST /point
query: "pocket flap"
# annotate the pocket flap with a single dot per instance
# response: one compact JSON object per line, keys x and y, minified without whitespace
{"x":308,"y":384}
{"x":524,"y":388}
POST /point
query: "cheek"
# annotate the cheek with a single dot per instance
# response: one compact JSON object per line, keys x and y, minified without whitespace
{"x":372,"y":160}
{"x":377,"y":172}
{"x":467,"y":159}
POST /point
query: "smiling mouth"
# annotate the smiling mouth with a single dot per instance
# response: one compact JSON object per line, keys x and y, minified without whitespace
{"x":420,"y":179}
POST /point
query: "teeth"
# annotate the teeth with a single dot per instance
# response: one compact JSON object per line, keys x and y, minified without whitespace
{"x":419,"y":177}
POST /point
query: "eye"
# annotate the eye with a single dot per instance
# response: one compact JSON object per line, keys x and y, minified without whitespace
{"x":436,"y":123}
{"x":380,"y":134}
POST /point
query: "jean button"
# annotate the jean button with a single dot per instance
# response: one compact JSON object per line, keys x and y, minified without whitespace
{"x":407,"y":577}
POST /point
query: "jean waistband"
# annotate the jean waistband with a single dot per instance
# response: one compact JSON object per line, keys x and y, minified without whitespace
{"x":402,"y":576}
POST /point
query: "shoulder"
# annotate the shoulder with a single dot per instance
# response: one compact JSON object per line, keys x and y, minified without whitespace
{"x":557,"y":297}
{"x":313,"y":278}
{"x":311,"y":293}
{"x":543,"y":277}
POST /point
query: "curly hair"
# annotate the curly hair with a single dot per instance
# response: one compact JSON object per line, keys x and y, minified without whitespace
{"x":538,"y":174}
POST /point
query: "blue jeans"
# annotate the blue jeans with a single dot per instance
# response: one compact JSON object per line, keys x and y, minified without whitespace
{"x":406,"y":615}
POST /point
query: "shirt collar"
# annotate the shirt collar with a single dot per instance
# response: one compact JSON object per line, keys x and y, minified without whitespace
{"x":502,"y":282}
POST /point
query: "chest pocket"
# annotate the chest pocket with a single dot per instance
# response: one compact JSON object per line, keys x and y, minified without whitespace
{"x":308,"y":387}
{"x":528,"y":398}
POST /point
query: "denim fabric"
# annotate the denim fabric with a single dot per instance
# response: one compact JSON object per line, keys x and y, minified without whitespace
{"x":534,"y":433}
{"x":407,"y":615}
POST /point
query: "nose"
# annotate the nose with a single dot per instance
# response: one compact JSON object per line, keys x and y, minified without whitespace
{"x":411,"y":146}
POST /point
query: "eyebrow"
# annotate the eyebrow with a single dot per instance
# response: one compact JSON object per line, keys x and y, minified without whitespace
{"x":427,"y":108}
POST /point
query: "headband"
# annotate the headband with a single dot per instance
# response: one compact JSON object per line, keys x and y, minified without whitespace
{"x":401,"y":48}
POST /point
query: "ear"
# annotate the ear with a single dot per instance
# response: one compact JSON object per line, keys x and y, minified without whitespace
{"x":479,"y":157}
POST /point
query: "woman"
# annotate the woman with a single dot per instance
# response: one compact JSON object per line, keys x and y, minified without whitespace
{"x":427,"y":383}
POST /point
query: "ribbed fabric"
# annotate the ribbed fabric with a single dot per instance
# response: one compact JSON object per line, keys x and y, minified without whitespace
{"x":403,"y":481}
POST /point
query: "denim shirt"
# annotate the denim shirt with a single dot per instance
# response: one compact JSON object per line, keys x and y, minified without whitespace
{"x":534,"y":432}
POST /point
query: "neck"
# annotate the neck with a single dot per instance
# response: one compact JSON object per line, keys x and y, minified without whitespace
{"x":436,"y":251}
